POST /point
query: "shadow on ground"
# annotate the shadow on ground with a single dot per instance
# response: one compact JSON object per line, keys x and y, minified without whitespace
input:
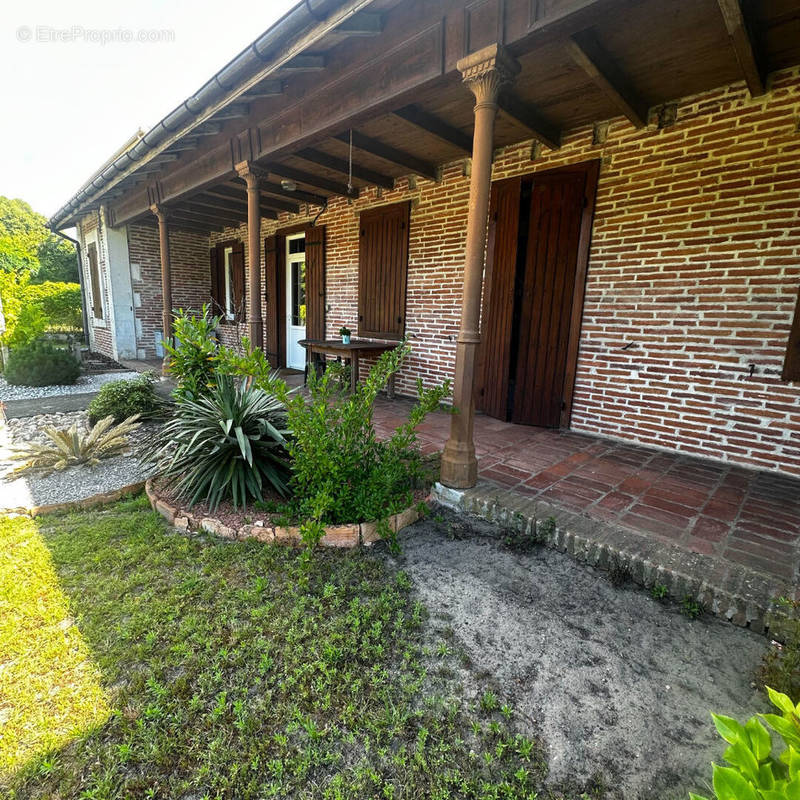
{"x":616,"y":682}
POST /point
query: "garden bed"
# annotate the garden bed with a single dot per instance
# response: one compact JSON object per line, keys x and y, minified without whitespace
{"x":240,"y":524}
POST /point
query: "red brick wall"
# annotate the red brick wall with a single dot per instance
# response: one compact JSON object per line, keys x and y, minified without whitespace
{"x":191,"y":277}
{"x":694,"y":269}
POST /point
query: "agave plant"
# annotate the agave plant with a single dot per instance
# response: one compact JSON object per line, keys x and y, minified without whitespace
{"x":227,"y":444}
{"x":70,"y":447}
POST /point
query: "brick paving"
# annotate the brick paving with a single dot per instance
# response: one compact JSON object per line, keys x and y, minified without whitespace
{"x":747,"y":517}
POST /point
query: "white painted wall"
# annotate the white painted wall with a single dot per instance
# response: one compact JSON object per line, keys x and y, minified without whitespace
{"x":119,"y":276}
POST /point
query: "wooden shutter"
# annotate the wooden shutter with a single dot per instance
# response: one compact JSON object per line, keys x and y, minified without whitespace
{"x":94,"y":276}
{"x":315,"y":282}
{"x":271,"y":324}
{"x":238,"y":281}
{"x":791,"y":366}
{"x":494,"y":351}
{"x":217,"y":281}
{"x":382,"y":271}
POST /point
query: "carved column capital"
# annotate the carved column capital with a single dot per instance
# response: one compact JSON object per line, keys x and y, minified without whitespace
{"x":487,"y":71}
{"x":160,"y":212}
{"x":251,"y":173}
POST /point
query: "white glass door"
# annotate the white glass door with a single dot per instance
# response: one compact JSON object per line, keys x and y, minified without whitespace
{"x":295,"y":300}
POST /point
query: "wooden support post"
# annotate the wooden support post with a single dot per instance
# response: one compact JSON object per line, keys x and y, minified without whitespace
{"x":485,"y":72}
{"x":255,"y":326}
{"x":166,"y":276}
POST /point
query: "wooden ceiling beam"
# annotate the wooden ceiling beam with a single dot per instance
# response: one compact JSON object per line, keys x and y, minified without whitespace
{"x":362,"y":23}
{"x":207,"y":129}
{"x":189,"y":143}
{"x":189,"y":223}
{"x":267,"y":187}
{"x":340,"y":165}
{"x":527,"y":116}
{"x":743,"y":45}
{"x":270,"y":88}
{"x":435,"y":126}
{"x":278,"y":203}
{"x":587,"y":52}
{"x":310,"y":180}
{"x":391,"y":154}
{"x":307,"y":62}
{"x":196,"y":211}
{"x":232,"y":111}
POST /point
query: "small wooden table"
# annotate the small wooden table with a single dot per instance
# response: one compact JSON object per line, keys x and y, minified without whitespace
{"x":351,"y":351}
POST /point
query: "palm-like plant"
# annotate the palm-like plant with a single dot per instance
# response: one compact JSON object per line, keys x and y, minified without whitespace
{"x":227,"y":444}
{"x":70,"y":447}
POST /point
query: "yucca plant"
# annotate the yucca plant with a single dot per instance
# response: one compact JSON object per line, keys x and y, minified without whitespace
{"x":229,"y":444}
{"x":69,"y":447}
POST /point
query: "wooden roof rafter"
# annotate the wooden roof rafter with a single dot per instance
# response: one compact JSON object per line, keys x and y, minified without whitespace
{"x":743,"y":45}
{"x":434,"y":126}
{"x":528,"y":117}
{"x":399,"y":158}
{"x":335,"y":164}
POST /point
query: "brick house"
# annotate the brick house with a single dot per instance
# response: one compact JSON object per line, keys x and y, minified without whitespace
{"x":612,"y":186}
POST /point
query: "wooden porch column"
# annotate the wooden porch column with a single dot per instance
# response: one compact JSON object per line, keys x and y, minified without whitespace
{"x":166,"y":273}
{"x":255,"y":325}
{"x":484,"y":72}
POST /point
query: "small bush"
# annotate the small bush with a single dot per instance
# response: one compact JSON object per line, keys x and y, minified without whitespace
{"x":754,"y":773}
{"x":41,"y":363}
{"x":124,"y":398}
{"x":341,"y":472}
{"x":193,"y":359}
{"x":70,"y":447}
{"x":229,"y":444}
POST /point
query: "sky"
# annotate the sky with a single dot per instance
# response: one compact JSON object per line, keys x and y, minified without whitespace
{"x":71,"y":99}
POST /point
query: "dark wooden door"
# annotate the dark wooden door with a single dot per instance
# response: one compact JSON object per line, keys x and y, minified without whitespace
{"x":315,"y":282}
{"x":533,"y":298}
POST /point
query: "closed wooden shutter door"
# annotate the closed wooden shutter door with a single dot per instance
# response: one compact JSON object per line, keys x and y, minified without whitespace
{"x":791,"y":366}
{"x":315,"y":282}
{"x":238,"y":281}
{"x":494,"y":351}
{"x":217,"y":282}
{"x":382,"y":271}
{"x":94,"y":276}
{"x":271,"y":322}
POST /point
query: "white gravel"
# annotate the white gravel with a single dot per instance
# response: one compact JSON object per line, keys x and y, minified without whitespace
{"x":75,"y":483}
{"x":86,"y":383}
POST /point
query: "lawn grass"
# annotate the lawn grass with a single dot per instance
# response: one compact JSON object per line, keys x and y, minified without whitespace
{"x":197,"y":668}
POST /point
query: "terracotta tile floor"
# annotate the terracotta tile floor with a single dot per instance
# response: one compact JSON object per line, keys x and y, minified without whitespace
{"x":742,"y":515}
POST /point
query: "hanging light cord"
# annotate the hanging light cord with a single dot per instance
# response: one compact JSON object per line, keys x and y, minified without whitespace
{"x":350,"y":166}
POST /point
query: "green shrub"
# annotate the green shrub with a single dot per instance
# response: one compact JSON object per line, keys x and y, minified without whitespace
{"x":754,"y":773}
{"x":25,"y":322}
{"x":60,"y":302}
{"x":341,"y":472}
{"x":41,"y":363}
{"x":229,"y":443}
{"x":123,"y":398}
{"x":193,"y":359}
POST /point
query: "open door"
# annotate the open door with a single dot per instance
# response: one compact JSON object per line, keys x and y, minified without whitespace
{"x":538,"y":250}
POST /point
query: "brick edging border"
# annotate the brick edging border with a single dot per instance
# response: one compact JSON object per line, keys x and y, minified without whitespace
{"x":354,"y":535}
{"x":730,"y":591}
{"x":102,"y":499}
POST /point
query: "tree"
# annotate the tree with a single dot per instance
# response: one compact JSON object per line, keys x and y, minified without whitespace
{"x":27,"y":247}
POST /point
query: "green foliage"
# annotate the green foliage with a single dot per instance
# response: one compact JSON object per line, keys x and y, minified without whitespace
{"x":60,"y":302}
{"x":41,"y":363}
{"x":200,"y":668}
{"x":124,"y":398}
{"x":192,"y":360}
{"x":754,"y":773}
{"x":659,"y":592}
{"x":70,"y":447}
{"x":28,"y":248}
{"x":690,"y":607}
{"x":341,"y":472}
{"x":229,"y":443}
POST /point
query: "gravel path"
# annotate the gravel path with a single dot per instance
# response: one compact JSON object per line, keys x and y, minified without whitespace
{"x":75,"y":483}
{"x":86,"y":383}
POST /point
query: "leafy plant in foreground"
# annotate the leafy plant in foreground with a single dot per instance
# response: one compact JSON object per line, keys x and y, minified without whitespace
{"x":228,"y":444}
{"x":755,"y":774}
{"x":70,"y":447}
{"x":193,"y":357}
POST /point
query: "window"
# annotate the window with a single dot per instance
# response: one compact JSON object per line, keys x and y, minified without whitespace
{"x":296,"y":260}
{"x":94,"y":279}
{"x":791,"y":365}
{"x":382,"y":270}
{"x":228,"y":281}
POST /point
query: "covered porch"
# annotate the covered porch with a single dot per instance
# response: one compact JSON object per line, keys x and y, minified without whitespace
{"x":734,"y":516}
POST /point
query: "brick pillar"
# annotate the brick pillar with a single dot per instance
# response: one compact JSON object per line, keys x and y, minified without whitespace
{"x":255,"y":326}
{"x":484,"y":72}
{"x":166,"y":275}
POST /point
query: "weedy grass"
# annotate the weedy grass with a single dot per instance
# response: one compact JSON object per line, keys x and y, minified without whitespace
{"x":196,"y":668}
